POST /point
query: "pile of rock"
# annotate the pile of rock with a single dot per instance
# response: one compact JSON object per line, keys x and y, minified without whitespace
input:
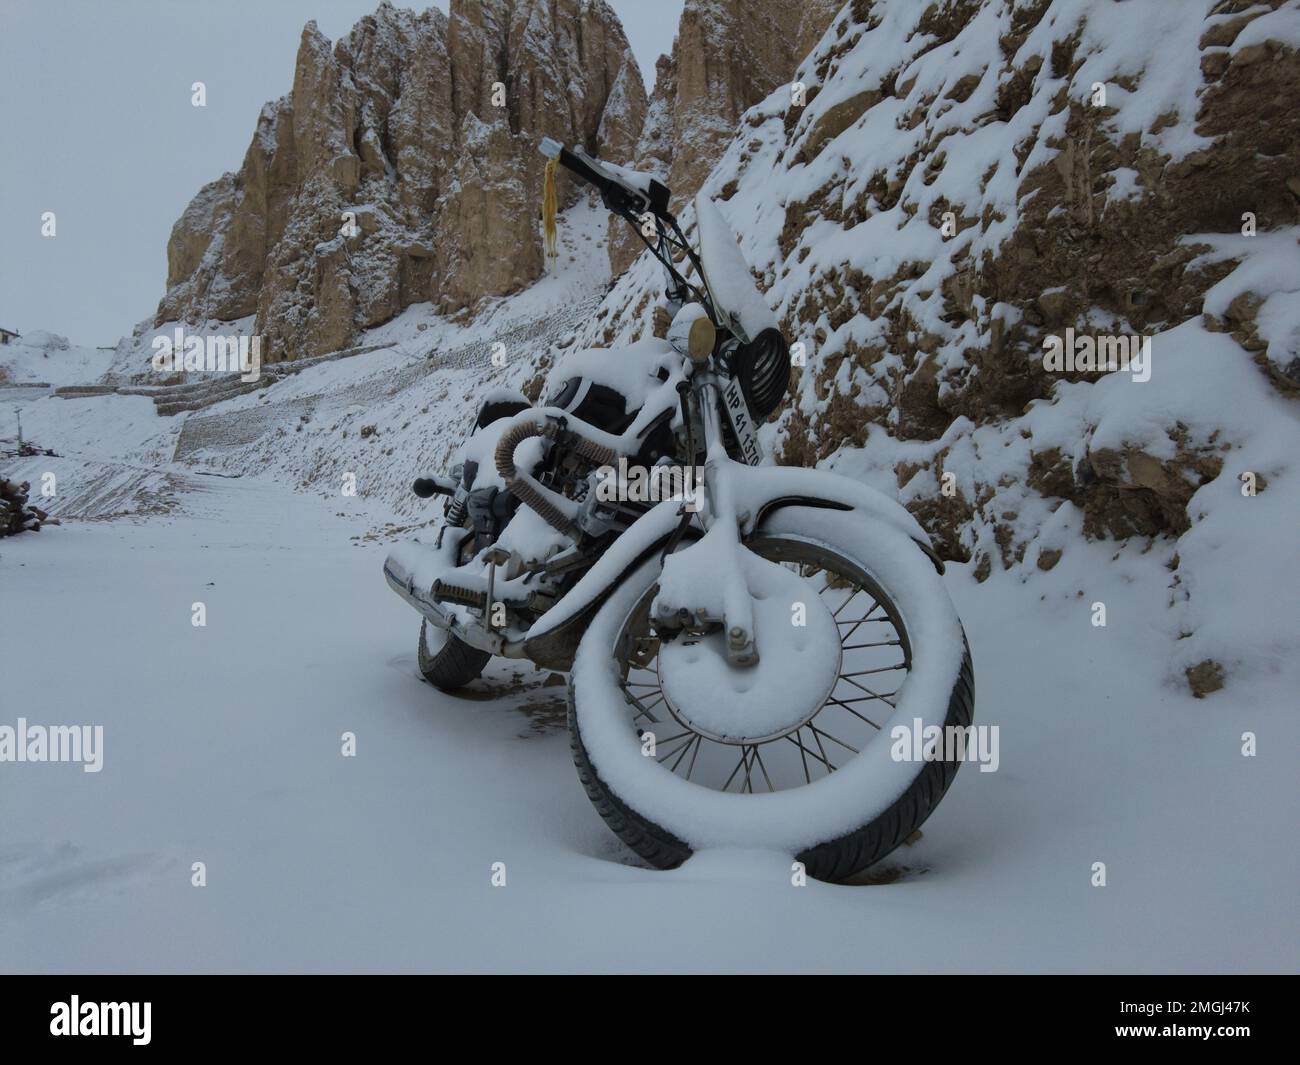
{"x":16,"y":515}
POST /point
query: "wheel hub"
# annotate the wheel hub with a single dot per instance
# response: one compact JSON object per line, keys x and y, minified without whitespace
{"x":799,"y":663}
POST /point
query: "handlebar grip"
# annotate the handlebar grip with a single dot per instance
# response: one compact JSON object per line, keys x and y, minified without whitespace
{"x":584,"y":170}
{"x":553,"y":149}
{"x":615,"y":195}
{"x":427,"y":487}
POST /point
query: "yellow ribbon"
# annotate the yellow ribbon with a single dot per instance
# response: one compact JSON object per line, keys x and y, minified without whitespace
{"x":549,"y":208}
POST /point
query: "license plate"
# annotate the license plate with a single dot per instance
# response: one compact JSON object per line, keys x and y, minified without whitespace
{"x":733,"y":399}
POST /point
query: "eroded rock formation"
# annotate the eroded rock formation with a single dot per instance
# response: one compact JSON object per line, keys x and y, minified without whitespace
{"x":728,"y":55}
{"x":402,"y":167}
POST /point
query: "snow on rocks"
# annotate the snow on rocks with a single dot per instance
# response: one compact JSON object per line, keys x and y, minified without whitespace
{"x":391,"y":175}
{"x":46,"y":358}
{"x":967,"y":181}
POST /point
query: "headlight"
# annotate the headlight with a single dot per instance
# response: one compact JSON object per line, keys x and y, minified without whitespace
{"x":692,"y":334}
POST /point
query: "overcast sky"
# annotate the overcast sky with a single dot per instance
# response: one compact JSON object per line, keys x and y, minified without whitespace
{"x":96,"y":125}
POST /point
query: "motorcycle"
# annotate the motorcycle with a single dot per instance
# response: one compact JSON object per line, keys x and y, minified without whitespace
{"x":740,"y":645}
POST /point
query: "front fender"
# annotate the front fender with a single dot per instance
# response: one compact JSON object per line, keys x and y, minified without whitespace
{"x":765,"y":489}
{"x":760,"y":491}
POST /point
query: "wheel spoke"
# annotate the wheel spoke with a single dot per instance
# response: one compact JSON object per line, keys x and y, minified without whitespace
{"x":825,"y":757}
{"x":859,"y":621}
{"x":803,"y":755}
{"x":879,"y":669}
{"x":691,"y":768}
{"x":662,"y":759}
{"x":850,"y":709}
{"x":878,"y":643}
{"x":690,"y":743}
{"x":811,"y":754}
{"x":642,"y":709}
{"x":875,"y":695}
{"x":852,"y":596}
{"x":875,"y":605}
{"x":821,"y":732}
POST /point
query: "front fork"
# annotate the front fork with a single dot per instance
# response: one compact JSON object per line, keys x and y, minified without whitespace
{"x":714,"y":564}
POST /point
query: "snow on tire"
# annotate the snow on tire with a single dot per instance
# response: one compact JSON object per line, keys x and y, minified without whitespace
{"x":672,"y":775}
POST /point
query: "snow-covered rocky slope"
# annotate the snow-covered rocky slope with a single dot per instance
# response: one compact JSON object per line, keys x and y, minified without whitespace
{"x":383,"y":416}
{"x":966,"y":181}
{"x":41,"y":358}
{"x":727,"y":56}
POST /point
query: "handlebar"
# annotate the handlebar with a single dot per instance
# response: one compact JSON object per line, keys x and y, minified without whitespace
{"x":630,"y":195}
{"x":618,"y":195}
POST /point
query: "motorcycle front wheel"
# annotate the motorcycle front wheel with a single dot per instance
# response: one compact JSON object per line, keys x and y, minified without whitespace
{"x":822,"y":761}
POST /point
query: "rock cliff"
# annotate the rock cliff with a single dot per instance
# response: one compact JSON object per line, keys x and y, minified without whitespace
{"x":728,"y":55}
{"x":402,"y":167}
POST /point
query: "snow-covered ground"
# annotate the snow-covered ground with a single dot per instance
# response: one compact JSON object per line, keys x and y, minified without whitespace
{"x":48,"y":359}
{"x":223,"y":745}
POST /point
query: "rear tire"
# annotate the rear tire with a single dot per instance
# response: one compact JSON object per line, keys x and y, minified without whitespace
{"x":446,"y":661}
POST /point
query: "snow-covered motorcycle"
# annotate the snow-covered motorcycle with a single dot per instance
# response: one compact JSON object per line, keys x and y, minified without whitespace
{"x":739,"y":640}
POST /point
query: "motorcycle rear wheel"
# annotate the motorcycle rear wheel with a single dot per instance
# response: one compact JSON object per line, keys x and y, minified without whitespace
{"x":447,"y":662}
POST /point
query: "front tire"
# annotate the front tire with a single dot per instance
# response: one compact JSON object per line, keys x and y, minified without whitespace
{"x":840,"y":818}
{"x":447,"y":662}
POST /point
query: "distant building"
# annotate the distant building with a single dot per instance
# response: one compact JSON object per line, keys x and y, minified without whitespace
{"x":7,"y":335}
